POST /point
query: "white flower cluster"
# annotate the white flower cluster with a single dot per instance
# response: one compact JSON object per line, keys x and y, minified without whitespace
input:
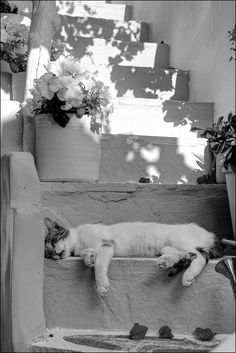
{"x":73,"y":88}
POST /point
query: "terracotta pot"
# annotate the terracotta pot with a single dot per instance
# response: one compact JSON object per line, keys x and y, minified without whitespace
{"x":6,"y":81}
{"x":66,"y":154}
{"x":208,"y":160}
{"x":18,"y":86}
{"x":230,"y":183}
{"x":220,"y":176}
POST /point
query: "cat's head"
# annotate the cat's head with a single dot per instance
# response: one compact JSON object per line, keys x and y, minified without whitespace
{"x":54,"y":240}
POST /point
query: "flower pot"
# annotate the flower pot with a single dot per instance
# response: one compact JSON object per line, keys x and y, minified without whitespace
{"x":18,"y":86}
{"x":230,"y":183}
{"x":208,"y":160}
{"x":6,"y":81}
{"x":66,"y":154}
{"x":220,"y":176}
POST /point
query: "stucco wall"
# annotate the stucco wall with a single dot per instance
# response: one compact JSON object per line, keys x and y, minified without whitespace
{"x":198,"y":38}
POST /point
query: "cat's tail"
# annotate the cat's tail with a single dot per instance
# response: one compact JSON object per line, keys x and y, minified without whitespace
{"x":216,"y":251}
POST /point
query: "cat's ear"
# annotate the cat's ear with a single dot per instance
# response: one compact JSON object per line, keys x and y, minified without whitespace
{"x":50,"y":224}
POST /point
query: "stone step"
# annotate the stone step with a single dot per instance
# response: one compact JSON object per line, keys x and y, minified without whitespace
{"x":171,"y":160}
{"x":153,"y":117}
{"x":139,"y":292}
{"x":79,"y":203}
{"x":72,"y":340}
{"x":103,"y":28}
{"x":100,"y":52}
{"x":98,"y":9}
{"x":142,"y":82}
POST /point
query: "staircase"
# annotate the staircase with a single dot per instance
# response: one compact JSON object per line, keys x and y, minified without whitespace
{"x":148,"y":134}
{"x":149,"y":130}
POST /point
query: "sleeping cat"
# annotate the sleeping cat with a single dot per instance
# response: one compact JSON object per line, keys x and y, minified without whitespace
{"x":177,"y":246}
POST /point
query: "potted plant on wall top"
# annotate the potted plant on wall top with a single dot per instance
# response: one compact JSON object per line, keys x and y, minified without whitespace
{"x":69,"y":107}
{"x":221,"y":138}
{"x":222,"y":143}
{"x":14,"y":48}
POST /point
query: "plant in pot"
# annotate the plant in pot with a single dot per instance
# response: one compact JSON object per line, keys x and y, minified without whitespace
{"x":228,"y":162}
{"x":221,"y":141}
{"x":14,"y":51}
{"x":69,"y":107}
{"x":222,"y":144}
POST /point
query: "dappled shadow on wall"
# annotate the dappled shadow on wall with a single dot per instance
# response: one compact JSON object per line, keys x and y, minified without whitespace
{"x":170,"y":160}
{"x":100,"y":28}
{"x":141,"y":82}
{"x":187,"y":113}
{"x":94,"y":50}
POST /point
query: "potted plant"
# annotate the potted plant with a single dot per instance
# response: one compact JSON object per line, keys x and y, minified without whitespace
{"x":228,"y":162}
{"x":222,"y":143}
{"x":13,"y":45}
{"x":69,"y":107}
{"x":219,"y":137}
{"x":14,"y":50}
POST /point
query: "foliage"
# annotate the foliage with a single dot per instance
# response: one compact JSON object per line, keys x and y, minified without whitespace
{"x":67,"y":87}
{"x":222,"y":139}
{"x":6,"y":7}
{"x":232,"y":39}
{"x":13,"y":44}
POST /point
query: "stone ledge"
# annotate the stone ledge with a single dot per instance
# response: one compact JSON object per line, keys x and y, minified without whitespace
{"x":139,"y":292}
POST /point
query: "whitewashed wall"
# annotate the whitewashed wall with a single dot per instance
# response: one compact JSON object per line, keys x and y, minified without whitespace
{"x":198,"y":38}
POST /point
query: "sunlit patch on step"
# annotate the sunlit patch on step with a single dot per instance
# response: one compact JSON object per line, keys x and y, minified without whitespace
{"x":150,"y":153}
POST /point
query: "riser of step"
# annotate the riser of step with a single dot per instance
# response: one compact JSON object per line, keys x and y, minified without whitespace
{"x":172,"y":160}
{"x":108,"y":203}
{"x":104,"y":28}
{"x":155,"y":118}
{"x":142,"y":82}
{"x":100,"y":52}
{"x":96,"y":9}
{"x":139,"y":292}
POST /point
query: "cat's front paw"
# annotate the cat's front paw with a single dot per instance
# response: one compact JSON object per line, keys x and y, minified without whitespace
{"x":187,"y":279}
{"x":89,"y":256}
{"x":165,"y":262}
{"x":103,"y":287}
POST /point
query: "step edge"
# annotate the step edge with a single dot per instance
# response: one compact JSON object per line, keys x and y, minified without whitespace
{"x":155,"y":102}
{"x":139,"y":44}
{"x":156,"y":70}
{"x":129,"y":186}
{"x":162,"y":140}
{"x":107,"y":19}
{"x":211,"y":262}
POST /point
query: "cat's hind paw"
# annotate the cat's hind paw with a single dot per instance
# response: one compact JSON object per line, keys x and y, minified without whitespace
{"x":89,"y":256}
{"x":187,"y":279}
{"x":165,"y":262}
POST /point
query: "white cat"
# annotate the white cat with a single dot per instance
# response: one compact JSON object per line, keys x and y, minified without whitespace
{"x":177,"y":246}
